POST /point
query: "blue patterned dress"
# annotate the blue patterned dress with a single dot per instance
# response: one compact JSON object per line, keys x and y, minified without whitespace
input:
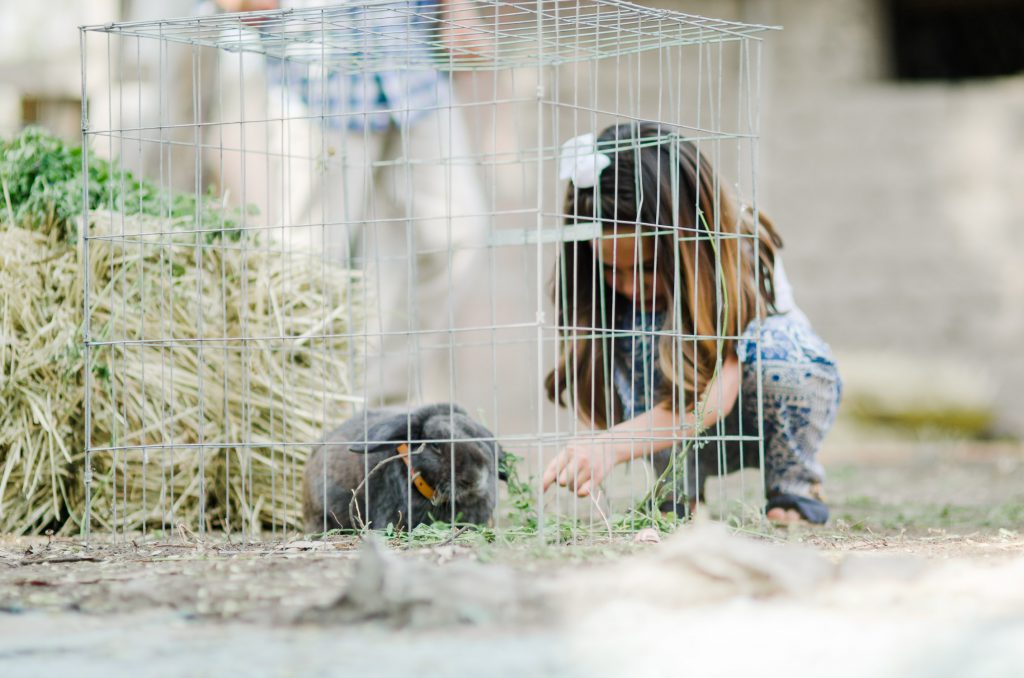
{"x":800,"y":389}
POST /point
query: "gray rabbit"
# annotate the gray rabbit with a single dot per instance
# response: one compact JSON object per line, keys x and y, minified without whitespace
{"x":402,"y":492}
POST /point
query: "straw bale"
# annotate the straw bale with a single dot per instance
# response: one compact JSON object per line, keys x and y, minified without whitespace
{"x":218,"y":362}
{"x":40,"y":387}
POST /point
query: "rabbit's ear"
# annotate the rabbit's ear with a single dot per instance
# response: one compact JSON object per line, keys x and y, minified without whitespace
{"x":439,"y":409}
{"x":388,"y":434}
{"x":441,"y":427}
{"x":447,"y":421}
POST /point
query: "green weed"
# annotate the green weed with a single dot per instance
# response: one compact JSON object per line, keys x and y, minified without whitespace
{"x":42,"y":184}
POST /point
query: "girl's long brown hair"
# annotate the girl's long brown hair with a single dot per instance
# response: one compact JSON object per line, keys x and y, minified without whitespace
{"x":705,"y":271}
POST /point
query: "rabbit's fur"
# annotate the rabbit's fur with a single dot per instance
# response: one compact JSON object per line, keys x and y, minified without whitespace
{"x":371,"y":438}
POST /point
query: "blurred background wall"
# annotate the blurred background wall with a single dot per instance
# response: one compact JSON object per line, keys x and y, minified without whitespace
{"x":892,"y":159}
{"x":40,"y":72}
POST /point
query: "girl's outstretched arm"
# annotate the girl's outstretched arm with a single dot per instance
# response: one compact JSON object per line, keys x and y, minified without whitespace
{"x":584,"y":462}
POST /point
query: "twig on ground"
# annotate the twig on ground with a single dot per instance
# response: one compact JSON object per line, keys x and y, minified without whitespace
{"x":594,"y":497}
{"x":355,"y":492}
{"x":454,"y":535}
{"x":59,"y":559}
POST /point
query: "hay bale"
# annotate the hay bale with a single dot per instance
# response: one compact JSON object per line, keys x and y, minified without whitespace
{"x":217,"y":351}
{"x":40,"y":385}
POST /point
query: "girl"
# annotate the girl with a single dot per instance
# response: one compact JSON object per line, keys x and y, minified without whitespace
{"x":668,"y":318}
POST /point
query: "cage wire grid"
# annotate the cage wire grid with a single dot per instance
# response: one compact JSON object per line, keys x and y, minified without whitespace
{"x":361,"y":206}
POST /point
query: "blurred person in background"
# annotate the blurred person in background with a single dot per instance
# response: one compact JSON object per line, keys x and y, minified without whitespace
{"x":370,"y":168}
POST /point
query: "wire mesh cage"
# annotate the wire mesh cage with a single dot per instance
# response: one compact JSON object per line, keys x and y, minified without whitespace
{"x":402,"y":232}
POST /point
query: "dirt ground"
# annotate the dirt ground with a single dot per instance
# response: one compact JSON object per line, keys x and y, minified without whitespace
{"x":934,"y":535}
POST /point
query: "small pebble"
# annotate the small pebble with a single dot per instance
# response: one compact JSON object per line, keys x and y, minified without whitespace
{"x":648,"y":535}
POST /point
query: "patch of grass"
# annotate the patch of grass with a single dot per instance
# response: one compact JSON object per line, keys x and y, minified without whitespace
{"x":522,"y":531}
{"x":939,"y":422}
{"x":862,"y":502}
{"x":523,"y":508}
{"x":521,"y":537}
{"x":42,"y":188}
{"x":863,"y":513}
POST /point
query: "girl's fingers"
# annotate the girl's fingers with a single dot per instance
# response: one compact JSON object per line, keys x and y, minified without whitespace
{"x":551,"y":472}
{"x":569,"y":468}
{"x":580,"y":477}
{"x":573,"y":472}
{"x":559,"y":470}
{"x":583,"y":474}
{"x":590,"y":479}
{"x":567,"y":473}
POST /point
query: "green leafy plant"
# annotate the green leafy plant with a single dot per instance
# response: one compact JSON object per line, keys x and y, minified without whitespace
{"x":523,"y":511}
{"x":41,"y":178}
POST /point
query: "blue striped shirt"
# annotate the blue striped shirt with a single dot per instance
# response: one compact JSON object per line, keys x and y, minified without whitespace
{"x":379,"y":68}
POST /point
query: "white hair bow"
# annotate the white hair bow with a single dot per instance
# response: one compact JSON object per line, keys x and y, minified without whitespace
{"x":581,"y":161}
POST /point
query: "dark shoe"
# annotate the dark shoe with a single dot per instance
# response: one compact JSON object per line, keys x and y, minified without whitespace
{"x":681,"y":508}
{"x":812,"y":510}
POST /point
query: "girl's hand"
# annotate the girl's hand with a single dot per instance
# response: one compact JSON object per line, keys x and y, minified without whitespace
{"x":581,"y":465}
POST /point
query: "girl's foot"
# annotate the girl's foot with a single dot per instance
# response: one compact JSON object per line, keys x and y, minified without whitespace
{"x":791,"y":509}
{"x":781,"y":516}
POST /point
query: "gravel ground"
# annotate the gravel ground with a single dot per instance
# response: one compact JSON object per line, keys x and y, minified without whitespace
{"x":935,"y":534}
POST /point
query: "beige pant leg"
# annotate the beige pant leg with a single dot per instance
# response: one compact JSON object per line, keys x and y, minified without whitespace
{"x":423,"y":262}
{"x":329,"y":180}
{"x":311,"y":183}
{"x":415,"y":230}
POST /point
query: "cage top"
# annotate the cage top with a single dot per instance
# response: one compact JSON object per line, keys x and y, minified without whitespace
{"x":449,"y":35}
